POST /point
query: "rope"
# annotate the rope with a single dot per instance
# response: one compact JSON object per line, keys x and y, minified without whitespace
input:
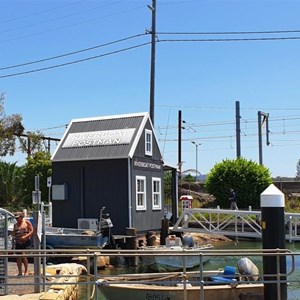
{"x":93,"y":292}
{"x":179,"y":275}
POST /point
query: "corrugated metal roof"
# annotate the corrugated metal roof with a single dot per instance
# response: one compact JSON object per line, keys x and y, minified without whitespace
{"x":98,"y":138}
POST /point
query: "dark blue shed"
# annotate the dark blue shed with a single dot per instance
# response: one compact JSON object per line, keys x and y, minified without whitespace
{"x":111,"y":161}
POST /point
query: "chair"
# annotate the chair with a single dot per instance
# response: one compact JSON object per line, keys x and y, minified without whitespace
{"x":227,"y":276}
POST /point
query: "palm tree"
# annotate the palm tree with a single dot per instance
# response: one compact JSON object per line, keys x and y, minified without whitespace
{"x":11,"y":190}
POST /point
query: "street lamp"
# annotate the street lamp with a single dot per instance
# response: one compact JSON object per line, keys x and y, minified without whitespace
{"x":196,"y":144}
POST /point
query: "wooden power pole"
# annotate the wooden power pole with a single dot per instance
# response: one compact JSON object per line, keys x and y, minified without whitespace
{"x":152,"y":75}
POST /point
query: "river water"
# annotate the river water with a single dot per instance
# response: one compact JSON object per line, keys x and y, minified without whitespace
{"x":294,"y":283}
{"x":219,"y":262}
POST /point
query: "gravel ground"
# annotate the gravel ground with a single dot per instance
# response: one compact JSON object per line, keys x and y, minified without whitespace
{"x":22,"y":285}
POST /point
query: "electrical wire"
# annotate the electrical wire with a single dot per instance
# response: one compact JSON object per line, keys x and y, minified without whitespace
{"x":230,"y":123}
{"x":76,"y":61}
{"x":50,"y":128}
{"x":61,"y":17}
{"x":41,"y":12}
{"x":178,"y":2}
{"x":225,"y":137}
{"x":71,"y":25}
{"x":225,"y":108}
{"x":229,"y":32}
{"x":231,"y":39}
{"x":88,"y":49}
{"x":72,"y":53}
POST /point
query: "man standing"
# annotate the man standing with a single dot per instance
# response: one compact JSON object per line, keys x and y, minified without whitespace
{"x":22,"y":233}
{"x":232,"y":198}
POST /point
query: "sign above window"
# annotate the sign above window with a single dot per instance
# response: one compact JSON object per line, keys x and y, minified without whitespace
{"x":99,"y":138}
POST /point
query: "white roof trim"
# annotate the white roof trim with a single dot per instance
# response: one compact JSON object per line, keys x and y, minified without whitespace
{"x":138,"y":135}
{"x":61,"y":140}
{"x":109,"y":117}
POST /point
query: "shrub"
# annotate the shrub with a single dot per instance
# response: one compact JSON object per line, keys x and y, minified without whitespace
{"x":246,"y":177}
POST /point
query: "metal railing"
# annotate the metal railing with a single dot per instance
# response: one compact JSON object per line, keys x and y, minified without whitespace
{"x":90,"y":281}
{"x":234,"y":223}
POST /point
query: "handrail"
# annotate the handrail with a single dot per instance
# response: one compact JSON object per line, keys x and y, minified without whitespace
{"x":92,"y":256}
{"x":244,"y":223}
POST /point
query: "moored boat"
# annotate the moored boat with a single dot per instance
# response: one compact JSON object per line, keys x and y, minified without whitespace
{"x":176,"y":286}
{"x":157,"y":261}
{"x":74,"y":238}
{"x":57,"y":237}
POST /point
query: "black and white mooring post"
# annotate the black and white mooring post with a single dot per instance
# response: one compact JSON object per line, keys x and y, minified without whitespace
{"x":273,"y":237}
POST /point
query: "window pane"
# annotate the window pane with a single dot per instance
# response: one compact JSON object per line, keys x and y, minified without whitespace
{"x":156,"y":193}
{"x":148,"y":142}
{"x":140,"y":193}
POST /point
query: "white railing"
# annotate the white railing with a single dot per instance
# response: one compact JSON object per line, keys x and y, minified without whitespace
{"x":233,"y":223}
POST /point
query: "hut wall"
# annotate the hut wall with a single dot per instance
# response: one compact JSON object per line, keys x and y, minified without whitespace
{"x":92,"y":185}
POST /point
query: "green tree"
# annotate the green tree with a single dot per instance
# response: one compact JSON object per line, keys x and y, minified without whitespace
{"x":11,"y":192}
{"x":246,"y":177}
{"x":189,"y":178}
{"x":39,"y":164}
{"x":10,"y":127}
{"x":168,"y":186}
{"x":32,"y":143}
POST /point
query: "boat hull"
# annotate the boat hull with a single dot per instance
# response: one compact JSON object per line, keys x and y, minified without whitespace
{"x":172,"y":263}
{"x":169,"y":263}
{"x":61,"y":238}
{"x":73,"y":241}
{"x":176,"y":286}
{"x":148,"y":292}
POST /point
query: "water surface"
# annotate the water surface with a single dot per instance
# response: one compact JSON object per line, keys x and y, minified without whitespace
{"x":219,"y":262}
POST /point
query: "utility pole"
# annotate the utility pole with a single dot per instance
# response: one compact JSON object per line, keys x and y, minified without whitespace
{"x":152,"y":75}
{"x":196,"y":144}
{"x":49,"y":139}
{"x":238,"y":128}
{"x":261,"y":121}
{"x":180,"y":162}
{"x":29,"y":147}
{"x":179,"y":144}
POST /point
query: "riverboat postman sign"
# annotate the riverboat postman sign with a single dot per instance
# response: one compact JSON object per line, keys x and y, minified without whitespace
{"x":98,"y":138}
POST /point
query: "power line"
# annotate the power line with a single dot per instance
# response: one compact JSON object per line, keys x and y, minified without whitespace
{"x":71,"y":25}
{"x":232,"y":148}
{"x":179,"y":2}
{"x":206,"y":138}
{"x":114,"y":52}
{"x":72,"y":53}
{"x":40,"y":12}
{"x":224,"y":107}
{"x":192,"y":107}
{"x":42,"y":137}
{"x":231,"y":39}
{"x":59,"y":18}
{"x":55,"y":127}
{"x":222,"y":123}
{"x":230,"y":32}
{"x":75,"y":62}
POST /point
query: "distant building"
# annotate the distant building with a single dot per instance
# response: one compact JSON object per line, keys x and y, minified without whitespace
{"x":111,"y":161}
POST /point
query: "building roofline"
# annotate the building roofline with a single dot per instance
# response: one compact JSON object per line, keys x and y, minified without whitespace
{"x":109,"y":117}
{"x":145,"y":116}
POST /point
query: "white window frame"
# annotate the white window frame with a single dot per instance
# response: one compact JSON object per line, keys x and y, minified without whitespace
{"x":156,"y":195}
{"x":148,"y":143}
{"x":141,"y":194}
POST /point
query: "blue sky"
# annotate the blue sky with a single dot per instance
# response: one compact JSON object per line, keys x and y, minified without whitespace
{"x":203,"y":78}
